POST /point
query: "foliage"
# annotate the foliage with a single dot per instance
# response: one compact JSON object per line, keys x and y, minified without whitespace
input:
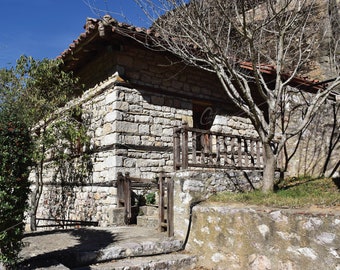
{"x":292,"y":193}
{"x":15,"y":159}
{"x":67,"y":150}
{"x":38,"y":90}
{"x":150,"y":198}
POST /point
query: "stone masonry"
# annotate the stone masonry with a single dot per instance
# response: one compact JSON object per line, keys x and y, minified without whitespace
{"x":131,"y":131}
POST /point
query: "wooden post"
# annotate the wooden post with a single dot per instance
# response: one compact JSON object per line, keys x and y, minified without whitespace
{"x":120,"y":189}
{"x":170,"y":212}
{"x":161,"y":205}
{"x":239,"y":152}
{"x":246,"y":152}
{"x":194,"y":146}
{"x":210,"y":148}
{"x":258,"y":155}
{"x":127,"y":195}
{"x":218,"y":150}
{"x":176,"y":149}
{"x":185,"y":145}
{"x":252,"y":152}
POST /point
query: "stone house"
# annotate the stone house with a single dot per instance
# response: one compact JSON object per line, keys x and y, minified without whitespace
{"x":135,"y":98}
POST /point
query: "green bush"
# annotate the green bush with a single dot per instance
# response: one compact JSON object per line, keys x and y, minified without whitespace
{"x":150,"y":198}
{"x":15,"y":159}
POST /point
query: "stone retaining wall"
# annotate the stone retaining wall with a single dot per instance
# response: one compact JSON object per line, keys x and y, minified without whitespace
{"x":251,"y":237}
{"x":191,"y":187}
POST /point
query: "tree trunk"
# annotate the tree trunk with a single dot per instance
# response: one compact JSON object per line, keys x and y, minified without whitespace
{"x":35,"y":198}
{"x":269,"y":168}
{"x":33,"y":210}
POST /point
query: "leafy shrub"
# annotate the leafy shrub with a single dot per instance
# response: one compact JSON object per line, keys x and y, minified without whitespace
{"x":150,"y":198}
{"x":15,"y":159}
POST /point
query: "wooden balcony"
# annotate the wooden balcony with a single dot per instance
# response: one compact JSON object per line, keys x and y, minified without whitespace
{"x":206,"y":149}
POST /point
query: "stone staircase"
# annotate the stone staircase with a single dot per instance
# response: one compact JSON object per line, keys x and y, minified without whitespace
{"x":148,"y":216}
{"x":114,"y":248}
{"x":151,"y":254}
{"x":157,"y":262}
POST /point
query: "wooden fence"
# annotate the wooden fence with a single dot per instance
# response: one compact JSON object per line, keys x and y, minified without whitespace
{"x":64,"y":223}
{"x":206,"y":149}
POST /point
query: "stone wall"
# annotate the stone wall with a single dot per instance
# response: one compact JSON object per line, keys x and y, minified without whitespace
{"x":191,"y":187}
{"x":318,"y":143}
{"x":131,"y":131}
{"x":250,"y":237}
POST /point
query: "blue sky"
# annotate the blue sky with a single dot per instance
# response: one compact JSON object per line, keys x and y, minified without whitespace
{"x":45,"y":28}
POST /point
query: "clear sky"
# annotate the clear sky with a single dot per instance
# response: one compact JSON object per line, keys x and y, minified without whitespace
{"x":45,"y":28}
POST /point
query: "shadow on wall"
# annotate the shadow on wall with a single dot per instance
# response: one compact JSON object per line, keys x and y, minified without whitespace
{"x":91,"y":241}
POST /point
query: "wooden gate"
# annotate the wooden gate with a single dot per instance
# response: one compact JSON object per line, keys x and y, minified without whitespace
{"x":125,"y":184}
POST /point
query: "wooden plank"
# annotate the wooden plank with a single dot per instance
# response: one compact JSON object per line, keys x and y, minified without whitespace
{"x":258,"y":154}
{"x":161,"y":205}
{"x":227,"y":148}
{"x":120,"y":189}
{"x":218,"y":151}
{"x":252,"y":152}
{"x":239,"y":152}
{"x":194,"y":146}
{"x":185,"y":151}
{"x":246,"y":143}
{"x":210,"y":153}
{"x":177,"y":149}
{"x":170,"y":212}
{"x":127,"y":192}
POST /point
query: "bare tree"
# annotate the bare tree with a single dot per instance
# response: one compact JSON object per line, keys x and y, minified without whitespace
{"x":333,"y":140}
{"x":240,"y":41}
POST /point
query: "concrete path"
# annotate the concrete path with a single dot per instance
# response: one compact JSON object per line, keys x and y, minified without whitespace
{"x":76,"y":248}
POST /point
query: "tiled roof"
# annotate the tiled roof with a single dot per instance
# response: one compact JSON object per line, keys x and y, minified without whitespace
{"x":93,"y":27}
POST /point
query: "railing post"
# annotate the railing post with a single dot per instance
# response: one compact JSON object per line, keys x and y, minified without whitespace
{"x":194,"y":146}
{"x":218,"y":150}
{"x":170,"y":204}
{"x":161,"y":205}
{"x":247,"y":143}
{"x":259,"y":162}
{"x":185,"y":152}
{"x":176,"y":149}
{"x":239,"y":152}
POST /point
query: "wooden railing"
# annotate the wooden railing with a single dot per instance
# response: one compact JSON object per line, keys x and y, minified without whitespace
{"x":206,"y":149}
{"x":64,"y":223}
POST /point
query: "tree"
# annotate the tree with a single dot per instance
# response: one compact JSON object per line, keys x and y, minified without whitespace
{"x":15,"y":160}
{"x":240,"y":41}
{"x":38,"y":89}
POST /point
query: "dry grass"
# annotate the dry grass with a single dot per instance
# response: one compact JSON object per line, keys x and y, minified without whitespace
{"x":292,"y":193}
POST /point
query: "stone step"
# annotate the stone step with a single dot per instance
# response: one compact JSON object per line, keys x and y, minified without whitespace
{"x":89,"y":246}
{"x":148,"y":221}
{"x":148,"y":210}
{"x":129,"y":250}
{"x":172,"y":261}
